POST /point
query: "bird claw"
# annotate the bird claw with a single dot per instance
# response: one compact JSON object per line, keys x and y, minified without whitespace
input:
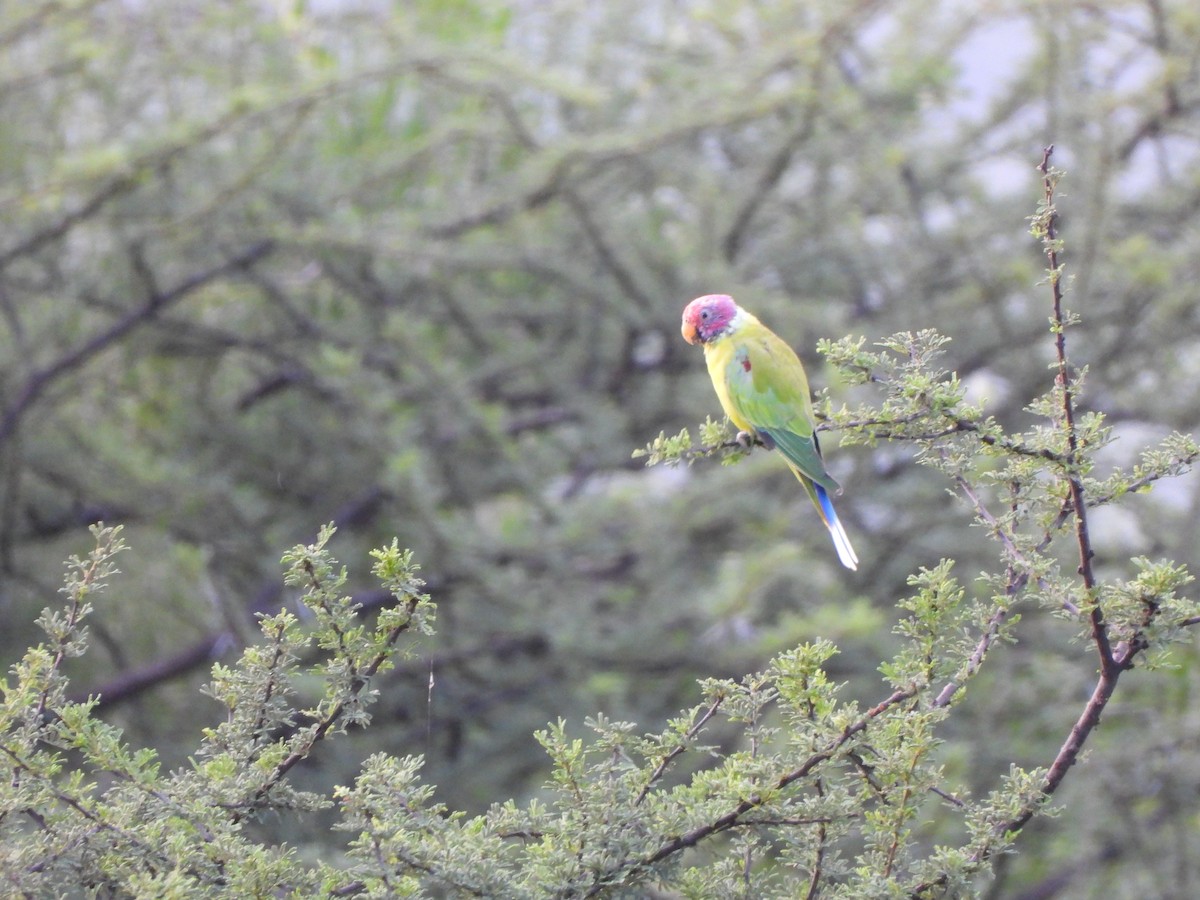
{"x":745,"y":439}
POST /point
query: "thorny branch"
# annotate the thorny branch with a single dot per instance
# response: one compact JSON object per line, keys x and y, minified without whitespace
{"x":1050,"y":243}
{"x":691,"y":733}
{"x":1113,"y":660}
{"x":1112,"y":663}
{"x":326,"y":723}
{"x":736,"y":816}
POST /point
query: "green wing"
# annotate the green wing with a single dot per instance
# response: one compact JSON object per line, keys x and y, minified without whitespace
{"x":768,"y":388}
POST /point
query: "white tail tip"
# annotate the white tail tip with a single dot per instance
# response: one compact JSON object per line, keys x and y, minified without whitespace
{"x":842,"y":543}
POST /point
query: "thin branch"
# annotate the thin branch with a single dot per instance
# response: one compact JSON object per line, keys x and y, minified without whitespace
{"x":1000,"y":531}
{"x":64,"y":637}
{"x":1066,"y":757}
{"x":734,"y":818}
{"x":1111,"y":666}
{"x":96,"y":815}
{"x":323,"y":727}
{"x":1068,"y":753}
{"x":956,"y":425}
{"x":990,"y":633}
{"x":1177,"y":464}
{"x":1112,"y":663}
{"x":816,"y":876}
{"x":817,"y":873}
{"x":774,"y":170}
{"x":668,"y":758}
{"x":56,"y":230}
{"x":1015,"y":586}
{"x":605,"y":251}
{"x":947,"y":796}
{"x":41,"y":380}
{"x":887,"y":430}
{"x":1050,"y":244}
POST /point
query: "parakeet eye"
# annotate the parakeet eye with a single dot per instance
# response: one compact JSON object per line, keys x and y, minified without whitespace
{"x":705,"y":314}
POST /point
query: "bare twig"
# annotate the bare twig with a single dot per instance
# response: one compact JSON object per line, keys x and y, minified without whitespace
{"x":65,"y":223}
{"x":770,"y":176}
{"x":43,"y":378}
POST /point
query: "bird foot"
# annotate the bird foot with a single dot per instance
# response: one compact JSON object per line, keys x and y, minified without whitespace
{"x":745,"y":439}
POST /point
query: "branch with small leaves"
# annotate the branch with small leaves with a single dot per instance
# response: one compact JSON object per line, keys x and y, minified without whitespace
{"x":1128,"y":609}
{"x":718,"y":440}
{"x":356,"y":655}
{"x":738,"y":815}
{"x":1027,"y":489}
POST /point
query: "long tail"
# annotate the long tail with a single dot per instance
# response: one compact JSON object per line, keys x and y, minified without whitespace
{"x":840,"y":540}
{"x":825,"y":507}
{"x":820,"y":499}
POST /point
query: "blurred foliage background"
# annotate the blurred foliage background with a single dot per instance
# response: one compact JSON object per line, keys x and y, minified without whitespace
{"x":417,"y":268}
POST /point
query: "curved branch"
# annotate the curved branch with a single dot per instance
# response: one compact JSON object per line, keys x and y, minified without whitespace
{"x":42,"y":379}
{"x":736,"y":816}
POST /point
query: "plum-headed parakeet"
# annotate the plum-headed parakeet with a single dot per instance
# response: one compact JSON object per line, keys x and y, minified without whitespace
{"x":762,"y":388}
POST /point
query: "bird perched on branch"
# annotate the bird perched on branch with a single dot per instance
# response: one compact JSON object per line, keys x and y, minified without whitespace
{"x":762,"y":388}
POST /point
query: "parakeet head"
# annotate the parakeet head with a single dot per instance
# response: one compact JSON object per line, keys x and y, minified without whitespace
{"x":708,"y":317}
